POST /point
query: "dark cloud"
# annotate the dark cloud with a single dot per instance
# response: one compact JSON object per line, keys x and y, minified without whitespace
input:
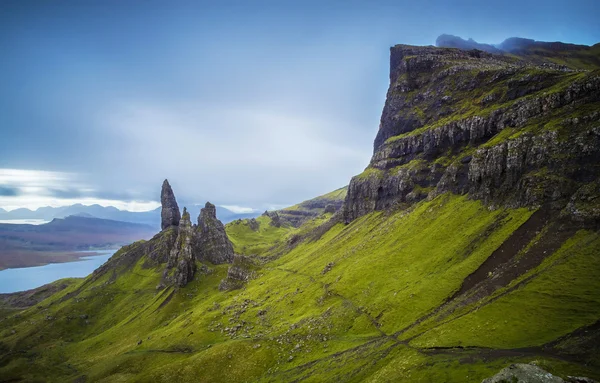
{"x":7,"y":191}
{"x":65,"y":193}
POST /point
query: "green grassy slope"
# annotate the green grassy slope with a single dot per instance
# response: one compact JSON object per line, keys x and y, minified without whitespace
{"x":329,"y":309}
{"x":296,"y":221}
{"x":250,"y":242}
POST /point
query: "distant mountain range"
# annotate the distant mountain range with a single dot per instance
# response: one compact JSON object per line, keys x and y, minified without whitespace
{"x":151,"y":218}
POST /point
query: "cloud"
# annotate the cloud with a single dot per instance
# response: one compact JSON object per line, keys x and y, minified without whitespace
{"x":33,"y":178}
{"x":33,"y":189}
{"x":239,"y":209}
{"x":243,"y":156}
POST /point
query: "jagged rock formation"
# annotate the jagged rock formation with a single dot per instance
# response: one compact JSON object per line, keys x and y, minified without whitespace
{"x":170,"y":211}
{"x":212,"y":242}
{"x":275,"y":219}
{"x":205,"y":242}
{"x":240,"y":272}
{"x":179,"y":247}
{"x":253,"y":224}
{"x":181,"y":265}
{"x":529,"y":134}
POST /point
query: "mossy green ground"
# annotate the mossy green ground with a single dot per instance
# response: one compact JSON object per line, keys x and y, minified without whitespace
{"x":324,"y":310}
{"x":249,"y":242}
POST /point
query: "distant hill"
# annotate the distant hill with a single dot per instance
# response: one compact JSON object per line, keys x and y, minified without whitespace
{"x":297,"y":214}
{"x":151,"y":218}
{"x":30,"y":245}
{"x":572,"y":56}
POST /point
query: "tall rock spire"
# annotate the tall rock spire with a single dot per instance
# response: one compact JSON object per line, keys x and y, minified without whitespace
{"x":170,"y":215}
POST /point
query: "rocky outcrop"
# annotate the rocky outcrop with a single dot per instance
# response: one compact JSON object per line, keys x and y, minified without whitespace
{"x":240,"y":272}
{"x":213,"y":245}
{"x":181,"y":265}
{"x":169,"y":214}
{"x":275,"y":219}
{"x":527,"y":134}
{"x":253,"y":224}
{"x":531,"y":373}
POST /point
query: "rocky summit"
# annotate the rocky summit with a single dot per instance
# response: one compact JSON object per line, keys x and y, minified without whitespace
{"x":467,"y":251}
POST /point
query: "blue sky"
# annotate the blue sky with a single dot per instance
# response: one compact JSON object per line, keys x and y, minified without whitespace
{"x":251,"y":104}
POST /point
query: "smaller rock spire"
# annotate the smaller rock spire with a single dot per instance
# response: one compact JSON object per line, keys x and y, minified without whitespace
{"x":169,"y":214}
{"x":213,"y":244}
{"x":208,"y":212}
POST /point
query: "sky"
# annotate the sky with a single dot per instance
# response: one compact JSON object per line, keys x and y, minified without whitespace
{"x":251,"y":105}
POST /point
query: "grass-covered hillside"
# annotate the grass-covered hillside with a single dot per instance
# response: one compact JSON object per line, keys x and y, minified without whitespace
{"x":376,"y":300}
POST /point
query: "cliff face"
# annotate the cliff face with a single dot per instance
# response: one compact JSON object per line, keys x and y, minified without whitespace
{"x":503,"y":129}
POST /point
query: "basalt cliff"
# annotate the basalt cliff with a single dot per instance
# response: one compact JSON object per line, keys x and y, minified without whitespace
{"x":498,"y":128}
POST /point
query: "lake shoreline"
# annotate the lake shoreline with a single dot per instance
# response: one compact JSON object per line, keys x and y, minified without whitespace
{"x":24,"y":259}
{"x":83,"y":263}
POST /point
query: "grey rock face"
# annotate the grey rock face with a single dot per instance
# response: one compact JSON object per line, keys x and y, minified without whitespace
{"x":212,"y":242}
{"x":253,"y":224}
{"x":524,"y":373}
{"x":181,"y":265}
{"x":530,"y":373}
{"x":170,"y":215}
{"x":275,"y":218}
{"x":431,"y":154}
{"x":240,"y":272}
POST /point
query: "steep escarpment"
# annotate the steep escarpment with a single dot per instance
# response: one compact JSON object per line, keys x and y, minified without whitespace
{"x":499,"y":128}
